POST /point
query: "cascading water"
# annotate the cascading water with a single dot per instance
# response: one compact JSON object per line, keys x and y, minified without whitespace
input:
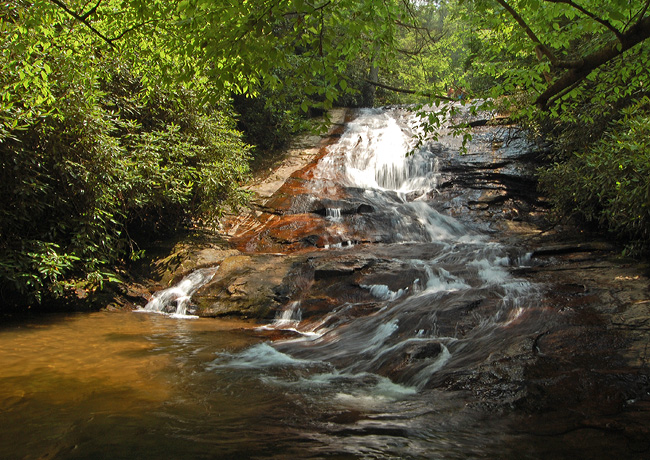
{"x":398,"y":328}
{"x":176,"y":299}
{"x":376,"y":152}
{"x":448,"y":296}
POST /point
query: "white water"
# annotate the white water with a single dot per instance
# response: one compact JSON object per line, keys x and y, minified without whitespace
{"x":456,"y":304}
{"x":397,"y":360}
{"x":376,"y":152}
{"x":334,"y":213}
{"x":176,"y":299}
{"x":466,"y":279}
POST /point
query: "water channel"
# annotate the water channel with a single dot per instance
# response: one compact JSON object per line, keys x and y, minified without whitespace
{"x":407,"y":304}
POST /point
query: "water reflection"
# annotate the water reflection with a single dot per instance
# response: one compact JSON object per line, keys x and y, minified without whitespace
{"x":68,"y":379}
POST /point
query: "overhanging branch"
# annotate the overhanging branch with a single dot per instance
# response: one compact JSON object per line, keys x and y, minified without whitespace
{"x":636,"y":34}
{"x":84,"y":20}
{"x":645,"y":8}
{"x":407,"y":91}
{"x":589,"y":14}
{"x":545,"y":50}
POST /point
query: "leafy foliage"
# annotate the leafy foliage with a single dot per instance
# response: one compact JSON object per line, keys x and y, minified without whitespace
{"x":115,"y":116}
{"x":560,"y":52}
{"x":90,"y":160}
{"x":296,"y":43}
{"x":608,"y":183}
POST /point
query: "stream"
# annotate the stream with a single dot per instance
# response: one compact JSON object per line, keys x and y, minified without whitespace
{"x":400,"y":326}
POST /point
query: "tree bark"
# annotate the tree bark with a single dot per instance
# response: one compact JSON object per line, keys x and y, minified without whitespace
{"x":371,"y":85}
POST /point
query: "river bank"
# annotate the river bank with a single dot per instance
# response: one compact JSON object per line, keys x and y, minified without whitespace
{"x":166,"y":262}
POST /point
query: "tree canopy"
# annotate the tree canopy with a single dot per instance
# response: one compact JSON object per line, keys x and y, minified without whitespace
{"x":94,"y":157}
{"x":561,"y":45}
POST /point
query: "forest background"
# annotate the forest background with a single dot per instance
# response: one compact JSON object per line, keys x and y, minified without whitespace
{"x":122,"y":121}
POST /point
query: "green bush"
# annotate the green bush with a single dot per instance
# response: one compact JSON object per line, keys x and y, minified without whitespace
{"x":269,"y":124}
{"x":92,"y":166}
{"x":608,"y":183}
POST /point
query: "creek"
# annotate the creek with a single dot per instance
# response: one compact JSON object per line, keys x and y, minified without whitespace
{"x":400,"y":327}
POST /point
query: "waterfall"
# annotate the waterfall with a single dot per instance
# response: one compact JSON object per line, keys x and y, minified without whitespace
{"x":378,"y":151}
{"x":333,"y":213}
{"x":448,"y":298}
{"x":176,"y":299}
{"x":399,"y":322}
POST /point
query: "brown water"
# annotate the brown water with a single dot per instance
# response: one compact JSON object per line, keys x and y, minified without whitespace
{"x":95,"y":385}
{"x":130,"y":385}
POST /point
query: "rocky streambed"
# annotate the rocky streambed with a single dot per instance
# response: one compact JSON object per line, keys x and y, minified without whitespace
{"x":547,"y":330}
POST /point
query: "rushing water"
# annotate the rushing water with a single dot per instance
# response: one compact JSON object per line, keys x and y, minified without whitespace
{"x":372,"y":377}
{"x":119,"y":385}
{"x":176,"y":299}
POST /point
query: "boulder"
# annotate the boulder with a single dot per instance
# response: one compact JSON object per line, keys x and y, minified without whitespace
{"x":251,"y":286}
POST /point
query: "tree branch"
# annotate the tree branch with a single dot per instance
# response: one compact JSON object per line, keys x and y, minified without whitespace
{"x":584,"y":11}
{"x":268,"y":11}
{"x":83,"y":20}
{"x":313,"y":7}
{"x":92,"y":10}
{"x":410,"y":53}
{"x":131,"y":29}
{"x":321,"y":7}
{"x":635,"y":35}
{"x":562,"y":93}
{"x":407,"y":91}
{"x":644,"y":10}
{"x":545,"y":50}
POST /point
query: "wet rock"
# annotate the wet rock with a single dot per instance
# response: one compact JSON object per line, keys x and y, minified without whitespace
{"x":566,"y":248}
{"x":340,"y":266}
{"x":429,"y":350}
{"x":166,"y":262}
{"x":282,"y":234}
{"x":253,"y":286}
{"x":491,"y":197}
{"x":345,"y":207}
{"x":197,"y":250}
{"x":130,"y":296}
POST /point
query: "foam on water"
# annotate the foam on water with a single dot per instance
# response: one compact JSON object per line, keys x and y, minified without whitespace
{"x":462,"y":276}
{"x":262,"y":355}
{"x":381,"y":334}
{"x":352,"y":390}
{"x":442,"y":281}
{"x":383,"y":292}
{"x":491,"y":272}
{"x":176,"y":299}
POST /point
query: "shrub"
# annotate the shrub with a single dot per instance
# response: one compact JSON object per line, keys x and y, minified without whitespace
{"x":608,"y":183}
{"x":96,"y":167}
